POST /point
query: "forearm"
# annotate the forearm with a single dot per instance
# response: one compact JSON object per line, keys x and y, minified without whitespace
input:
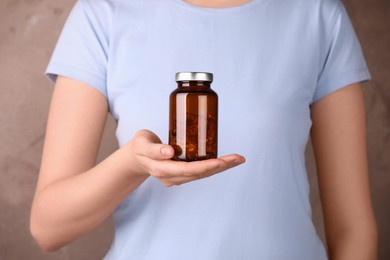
{"x":69,"y":208}
{"x":358,"y":245}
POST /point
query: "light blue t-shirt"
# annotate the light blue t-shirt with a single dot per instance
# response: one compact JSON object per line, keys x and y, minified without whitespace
{"x":271,"y":59}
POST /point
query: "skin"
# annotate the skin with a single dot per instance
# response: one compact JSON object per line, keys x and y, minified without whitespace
{"x":63,"y":210}
{"x":339,"y":141}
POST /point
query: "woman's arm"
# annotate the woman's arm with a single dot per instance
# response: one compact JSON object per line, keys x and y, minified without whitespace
{"x":73,"y":195}
{"x":339,"y":143}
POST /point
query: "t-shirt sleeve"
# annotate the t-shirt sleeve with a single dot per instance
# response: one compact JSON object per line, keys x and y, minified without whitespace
{"x":344,"y":62}
{"x":81,"y":51}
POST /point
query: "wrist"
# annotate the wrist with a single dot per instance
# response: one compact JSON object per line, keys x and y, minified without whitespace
{"x":130,"y":163}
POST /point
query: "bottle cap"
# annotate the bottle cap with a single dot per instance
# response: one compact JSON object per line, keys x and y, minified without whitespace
{"x":194,"y":76}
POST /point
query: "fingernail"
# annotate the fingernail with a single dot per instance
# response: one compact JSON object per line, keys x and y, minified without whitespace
{"x":240,"y":160}
{"x":165,"y":151}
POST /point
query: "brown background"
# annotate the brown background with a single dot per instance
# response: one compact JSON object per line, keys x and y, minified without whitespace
{"x":28,"y":32}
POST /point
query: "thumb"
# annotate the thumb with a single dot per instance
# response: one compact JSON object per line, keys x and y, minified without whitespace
{"x":149,"y":145}
{"x":158,"y":151}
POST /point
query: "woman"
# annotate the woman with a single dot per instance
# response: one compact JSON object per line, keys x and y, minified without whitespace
{"x":283,"y":70}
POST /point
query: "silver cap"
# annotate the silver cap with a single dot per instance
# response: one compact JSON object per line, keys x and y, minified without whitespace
{"x":194,"y":76}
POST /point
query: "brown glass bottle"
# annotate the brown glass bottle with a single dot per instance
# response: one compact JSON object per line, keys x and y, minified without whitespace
{"x":193,"y":117}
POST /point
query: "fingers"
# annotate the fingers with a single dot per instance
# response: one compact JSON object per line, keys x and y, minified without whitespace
{"x":154,"y":158}
{"x":148,"y":144}
{"x":172,"y":173}
{"x":147,"y":135}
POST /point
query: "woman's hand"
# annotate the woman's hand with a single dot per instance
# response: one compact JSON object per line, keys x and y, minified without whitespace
{"x":73,"y":194}
{"x":153,"y":158}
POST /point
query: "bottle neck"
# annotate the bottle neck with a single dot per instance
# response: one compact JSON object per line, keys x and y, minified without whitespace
{"x":194,"y":85}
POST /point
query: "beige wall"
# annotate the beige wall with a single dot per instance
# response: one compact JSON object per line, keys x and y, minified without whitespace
{"x":28,"y":32}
